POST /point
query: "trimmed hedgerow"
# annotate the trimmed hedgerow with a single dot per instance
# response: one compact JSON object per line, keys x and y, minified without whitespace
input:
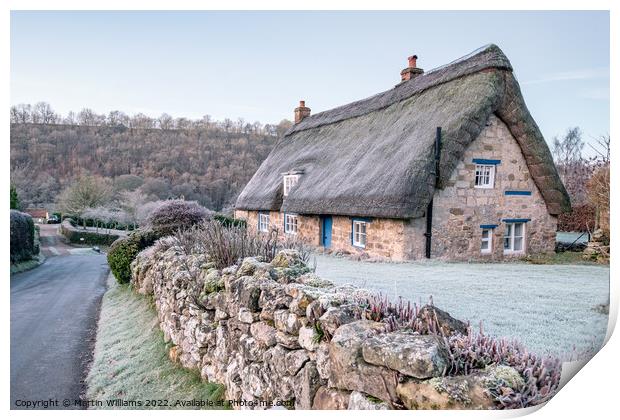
{"x":23,"y":245}
{"x":124,"y":251}
{"x":75,"y":235}
{"x":176,"y":215}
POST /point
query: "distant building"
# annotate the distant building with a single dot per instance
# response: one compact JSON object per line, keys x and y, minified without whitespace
{"x":38,"y":215}
{"x":448,"y":164}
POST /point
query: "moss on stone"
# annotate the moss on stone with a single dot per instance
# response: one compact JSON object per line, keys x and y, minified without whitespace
{"x":456,"y":391}
{"x":374,"y":400}
{"x":213,"y":282}
{"x":501,"y":375}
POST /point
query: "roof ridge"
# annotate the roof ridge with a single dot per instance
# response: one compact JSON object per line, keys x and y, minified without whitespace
{"x":488,"y":56}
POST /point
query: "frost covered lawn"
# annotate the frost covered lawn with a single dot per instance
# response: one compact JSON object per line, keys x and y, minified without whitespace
{"x":546,"y":307}
{"x":131,"y":359}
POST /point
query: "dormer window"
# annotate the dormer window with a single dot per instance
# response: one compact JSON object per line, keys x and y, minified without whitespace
{"x":289,"y":182}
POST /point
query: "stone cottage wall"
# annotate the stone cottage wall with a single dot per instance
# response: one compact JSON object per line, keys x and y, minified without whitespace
{"x":273,"y":333}
{"x":386,"y":238}
{"x":459,"y":208}
{"x":308,"y":228}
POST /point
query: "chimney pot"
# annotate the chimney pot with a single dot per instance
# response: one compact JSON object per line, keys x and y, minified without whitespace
{"x":301,"y":112}
{"x":411,"y":71}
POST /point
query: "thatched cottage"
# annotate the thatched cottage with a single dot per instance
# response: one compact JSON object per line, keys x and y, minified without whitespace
{"x":447,"y":164}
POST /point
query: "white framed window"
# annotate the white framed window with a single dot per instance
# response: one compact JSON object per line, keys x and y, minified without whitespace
{"x":514,"y":238}
{"x":289,"y":182}
{"x":486,"y":242}
{"x":290,"y":224}
{"x":263,"y":222}
{"x":359,"y":233}
{"x":485,"y":176}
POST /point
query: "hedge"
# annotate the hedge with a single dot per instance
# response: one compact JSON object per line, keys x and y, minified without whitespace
{"x":79,"y":222}
{"x":123,"y":252}
{"x":74,"y":235}
{"x":23,"y":244}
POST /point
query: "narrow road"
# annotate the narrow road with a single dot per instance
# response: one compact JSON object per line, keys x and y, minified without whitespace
{"x":54,"y":312}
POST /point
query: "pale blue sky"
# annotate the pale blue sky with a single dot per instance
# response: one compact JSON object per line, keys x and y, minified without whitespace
{"x":257,"y":65}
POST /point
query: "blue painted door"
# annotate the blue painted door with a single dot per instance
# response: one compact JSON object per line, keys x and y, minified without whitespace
{"x":326,"y":231}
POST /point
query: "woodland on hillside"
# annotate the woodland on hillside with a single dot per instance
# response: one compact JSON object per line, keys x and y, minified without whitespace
{"x":203,"y":160}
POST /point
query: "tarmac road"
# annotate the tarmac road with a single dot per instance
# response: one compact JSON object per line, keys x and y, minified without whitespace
{"x":54,"y":313}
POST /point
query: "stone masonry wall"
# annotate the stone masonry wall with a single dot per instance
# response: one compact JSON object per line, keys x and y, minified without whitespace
{"x":459,"y":208}
{"x":386,"y":238}
{"x":275,"y":332}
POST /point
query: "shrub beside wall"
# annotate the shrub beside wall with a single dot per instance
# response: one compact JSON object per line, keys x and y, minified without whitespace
{"x":174,"y":215}
{"x":74,"y":235}
{"x":23,"y":244}
{"x":123,"y":251}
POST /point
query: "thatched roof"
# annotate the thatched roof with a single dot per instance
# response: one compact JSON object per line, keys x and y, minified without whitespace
{"x":374,"y":157}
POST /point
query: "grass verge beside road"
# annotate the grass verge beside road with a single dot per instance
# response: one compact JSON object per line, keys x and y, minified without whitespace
{"x":28,"y":265}
{"x":131,"y":359}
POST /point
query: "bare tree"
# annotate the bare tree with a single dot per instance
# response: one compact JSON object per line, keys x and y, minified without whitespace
{"x":206,"y":120}
{"x":567,"y":150}
{"x":44,"y":114}
{"x":142,"y":121}
{"x":88,"y":117}
{"x":87,"y":192}
{"x":182,"y":123}
{"x":131,"y":202}
{"x":117,"y":119}
{"x":165,"y":122}
{"x":21,"y":114}
{"x":572,"y":168}
{"x":70,"y":119}
{"x":602,"y":148}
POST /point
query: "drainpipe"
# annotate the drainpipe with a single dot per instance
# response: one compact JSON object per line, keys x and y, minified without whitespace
{"x":429,"y":210}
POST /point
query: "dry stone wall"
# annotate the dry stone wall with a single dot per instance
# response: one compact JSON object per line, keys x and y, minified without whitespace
{"x":275,"y":332}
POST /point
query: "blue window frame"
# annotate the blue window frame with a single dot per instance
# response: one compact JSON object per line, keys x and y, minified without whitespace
{"x":515,"y":220}
{"x":517,"y":193}
{"x":481,"y":161}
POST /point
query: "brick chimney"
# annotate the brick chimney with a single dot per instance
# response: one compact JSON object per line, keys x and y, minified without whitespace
{"x":411,"y":71}
{"x":301,"y":112}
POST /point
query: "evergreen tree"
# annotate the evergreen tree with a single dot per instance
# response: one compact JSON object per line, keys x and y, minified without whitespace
{"x":15,"y":204}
